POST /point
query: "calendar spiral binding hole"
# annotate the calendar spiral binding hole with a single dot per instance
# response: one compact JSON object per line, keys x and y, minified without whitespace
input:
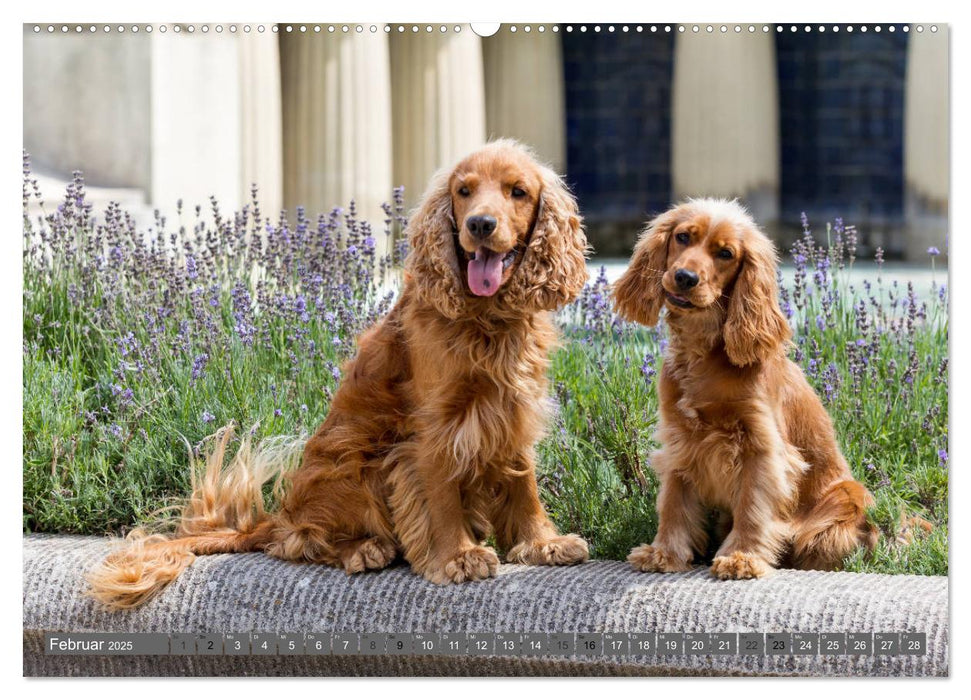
{"x":514,"y":29}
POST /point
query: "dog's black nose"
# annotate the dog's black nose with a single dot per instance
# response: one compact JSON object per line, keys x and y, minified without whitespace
{"x":685,"y":279}
{"x":481,"y":226}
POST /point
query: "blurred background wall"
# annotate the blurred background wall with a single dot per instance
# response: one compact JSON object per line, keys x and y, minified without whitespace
{"x":851,"y":125}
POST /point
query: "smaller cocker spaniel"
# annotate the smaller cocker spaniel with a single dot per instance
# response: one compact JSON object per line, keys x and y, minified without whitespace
{"x":741,"y":430}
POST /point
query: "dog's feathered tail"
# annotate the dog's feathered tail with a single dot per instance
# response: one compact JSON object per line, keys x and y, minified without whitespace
{"x":836,"y":525}
{"x":225,"y":513}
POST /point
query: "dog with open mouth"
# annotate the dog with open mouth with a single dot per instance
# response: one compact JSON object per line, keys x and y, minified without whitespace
{"x":742,"y":432}
{"x":428,"y":447}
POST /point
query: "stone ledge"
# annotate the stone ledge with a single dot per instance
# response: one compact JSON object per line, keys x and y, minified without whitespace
{"x":253,"y":592}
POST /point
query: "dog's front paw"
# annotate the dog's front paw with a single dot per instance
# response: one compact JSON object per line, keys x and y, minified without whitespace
{"x":473,"y":564}
{"x":739,"y":565}
{"x":370,"y":554}
{"x":650,"y":558}
{"x":561,"y":550}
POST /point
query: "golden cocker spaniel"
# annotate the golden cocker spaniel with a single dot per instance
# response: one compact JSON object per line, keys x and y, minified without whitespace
{"x":741,"y":430}
{"x":429,"y":444}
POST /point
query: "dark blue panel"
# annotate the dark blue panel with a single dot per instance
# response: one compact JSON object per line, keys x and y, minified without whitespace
{"x":618,"y":122}
{"x":841,"y":114}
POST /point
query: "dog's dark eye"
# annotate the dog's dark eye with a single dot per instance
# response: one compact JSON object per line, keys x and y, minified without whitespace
{"x":726,"y":254}
{"x":682,"y":238}
{"x":518,"y":192}
{"x":464,"y":191}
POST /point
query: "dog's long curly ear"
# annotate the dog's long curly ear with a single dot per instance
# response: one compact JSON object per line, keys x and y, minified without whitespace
{"x":755,"y":327}
{"x":554,"y":267}
{"x":638,"y":294}
{"x":432,"y":266}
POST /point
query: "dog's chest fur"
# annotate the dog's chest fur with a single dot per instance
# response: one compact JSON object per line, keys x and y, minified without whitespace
{"x":483,"y":389}
{"x":703,"y":404}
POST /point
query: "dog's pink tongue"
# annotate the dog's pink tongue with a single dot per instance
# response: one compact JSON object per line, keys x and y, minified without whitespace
{"x":485,"y":272}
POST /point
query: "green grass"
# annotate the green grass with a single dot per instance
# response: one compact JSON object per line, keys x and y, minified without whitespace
{"x":112,"y":404}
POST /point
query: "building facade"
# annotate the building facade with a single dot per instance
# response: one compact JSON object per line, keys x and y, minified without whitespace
{"x":827,"y":123}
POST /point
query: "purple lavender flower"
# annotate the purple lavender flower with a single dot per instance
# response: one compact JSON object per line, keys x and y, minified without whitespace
{"x":207,"y":417}
{"x":199,"y":365}
{"x":648,"y":370}
{"x":933,"y":251}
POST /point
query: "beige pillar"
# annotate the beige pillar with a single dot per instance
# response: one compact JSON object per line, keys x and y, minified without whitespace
{"x":725,"y":119}
{"x":438,"y":103}
{"x":196,"y":124}
{"x":337,"y":123}
{"x":926,"y":142}
{"x":87,"y":106}
{"x":524,"y":92}
{"x":261,"y":120}
{"x":159,"y":117}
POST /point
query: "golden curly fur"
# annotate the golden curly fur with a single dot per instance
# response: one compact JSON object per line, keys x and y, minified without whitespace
{"x":741,"y":430}
{"x":429,"y":443}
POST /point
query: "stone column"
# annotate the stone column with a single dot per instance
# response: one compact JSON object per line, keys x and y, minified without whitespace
{"x":261,"y":120}
{"x":524,"y":96}
{"x":195,"y":120}
{"x":160,"y":116}
{"x":337,"y":123}
{"x":437,"y":102}
{"x":725,"y":119}
{"x":926,"y":142}
{"x":87,"y":106}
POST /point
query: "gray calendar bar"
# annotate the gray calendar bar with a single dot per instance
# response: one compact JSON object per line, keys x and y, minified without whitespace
{"x":568,"y":644}
{"x":724,"y":644}
{"x":590,"y":644}
{"x":859,"y":644}
{"x":751,"y":643}
{"x":182,"y":644}
{"x":535,"y":644}
{"x":236,"y":644}
{"x":913,"y":643}
{"x":697,"y":643}
{"x":670,"y":643}
{"x":291,"y":644}
{"x":373,"y":644}
{"x":832,"y":643}
{"x":643,"y":644}
{"x":482,"y":644}
{"x":210,"y":644}
{"x":345,"y":643}
{"x":105,"y":643}
{"x":619,"y":644}
{"x":886,"y":644}
{"x":263,"y":644}
{"x":805,"y":644}
{"x":400,"y":644}
{"x":778,"y":643}
{"x":455,"y":644}
{"x":317,"y":644}
{"x":509,"y":644}
{"x":561,"y":644}
{"x":426,"y":643}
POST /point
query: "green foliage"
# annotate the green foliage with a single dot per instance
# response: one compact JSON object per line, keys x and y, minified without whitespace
{"x":133,"y":355}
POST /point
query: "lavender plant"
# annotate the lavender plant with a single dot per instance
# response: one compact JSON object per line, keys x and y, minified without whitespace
{"x":139,"y":341}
